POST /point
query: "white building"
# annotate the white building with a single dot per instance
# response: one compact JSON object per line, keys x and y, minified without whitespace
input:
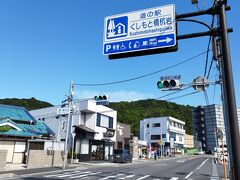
{"x":92,"y":127}
{"x":160,"y":130}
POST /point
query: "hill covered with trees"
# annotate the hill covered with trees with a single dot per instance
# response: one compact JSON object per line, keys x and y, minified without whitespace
{"x":29,"y":104}
{"x":128,"y":112}
{"x":132,"y":112}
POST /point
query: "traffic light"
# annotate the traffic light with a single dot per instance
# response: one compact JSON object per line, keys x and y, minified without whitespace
{"x":169,"y":84}
{"x":101,"y":98}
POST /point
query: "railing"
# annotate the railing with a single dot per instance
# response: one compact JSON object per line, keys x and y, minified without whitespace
{"x":176,"y":129}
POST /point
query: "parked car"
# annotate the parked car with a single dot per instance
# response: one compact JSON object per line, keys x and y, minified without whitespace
{"x":122,"y":156}
{"x":199,"y":153}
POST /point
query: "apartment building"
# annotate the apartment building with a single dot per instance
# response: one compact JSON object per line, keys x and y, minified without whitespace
{"x":205,"y":121}
{"x":159,"y":131}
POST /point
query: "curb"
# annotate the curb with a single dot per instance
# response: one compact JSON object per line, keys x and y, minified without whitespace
{"x":6,"y":175}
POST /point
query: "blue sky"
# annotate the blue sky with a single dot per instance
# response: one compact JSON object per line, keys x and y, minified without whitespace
{"x":44,"y":45}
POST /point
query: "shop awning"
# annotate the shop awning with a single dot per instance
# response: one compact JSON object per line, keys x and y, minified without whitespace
{"x":84,"y":128}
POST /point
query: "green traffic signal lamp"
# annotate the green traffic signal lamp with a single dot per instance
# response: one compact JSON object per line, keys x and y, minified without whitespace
{"x":160,"y":84}
{"x":96,"y":98}
{"x":169,"y":84}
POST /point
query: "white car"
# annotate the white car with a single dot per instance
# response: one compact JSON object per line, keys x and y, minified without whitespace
{"x":199,"y":153}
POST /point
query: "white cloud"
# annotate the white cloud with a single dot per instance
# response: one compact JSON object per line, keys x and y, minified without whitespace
{"x":115,"y":96}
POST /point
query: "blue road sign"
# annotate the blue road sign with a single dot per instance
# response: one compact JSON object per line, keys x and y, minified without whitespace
{"x":140,"y":30}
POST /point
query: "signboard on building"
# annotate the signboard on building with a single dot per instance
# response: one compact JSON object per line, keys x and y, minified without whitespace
{"x":63,"y":111}
{"x":140,"y":30}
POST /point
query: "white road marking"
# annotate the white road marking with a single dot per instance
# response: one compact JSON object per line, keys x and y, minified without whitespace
{"x":127,"y":176}
{"x":196,"y":168}
{"x":108,"y":177}
{"x":202,"y":163}
{"x":174,"y":178}
{"x":144,"y":177}
{"x":84,"y":175}
{"x":158,"y":165}
{"x":189,"y":175}
{"x":74,"y":174}
{"x":59,"y":174}
{"x":57,"y":171}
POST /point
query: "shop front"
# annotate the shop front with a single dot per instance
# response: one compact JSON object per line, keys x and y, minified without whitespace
{"x":101,"y":150}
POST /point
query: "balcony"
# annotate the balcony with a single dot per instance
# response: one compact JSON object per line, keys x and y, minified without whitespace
{"x":176,"y":130}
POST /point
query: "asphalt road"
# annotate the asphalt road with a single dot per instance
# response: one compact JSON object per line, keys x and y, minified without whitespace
{"x":193,"y":167}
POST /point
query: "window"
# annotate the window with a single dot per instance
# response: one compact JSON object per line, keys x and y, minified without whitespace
{"x":36,"y":145}
{"x":98,"y":119}
{"x":119,"y":145}
{"x":147,"y":125}
{"x":104,"y":121}
{"x":156,"y":124}
{"x":110,"y":122}
{"x":155,"y":137}
{"x":172,"y":135}
{"x":163,"y":135}
{"x":180,"y":139}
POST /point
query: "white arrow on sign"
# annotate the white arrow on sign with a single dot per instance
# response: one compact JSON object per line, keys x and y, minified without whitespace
{"x":165,"y":40}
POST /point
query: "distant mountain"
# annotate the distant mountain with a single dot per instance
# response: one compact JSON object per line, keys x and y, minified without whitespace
{"x":132,"y":112}
{"x":29,"y":104}
{"x":128,"y":112}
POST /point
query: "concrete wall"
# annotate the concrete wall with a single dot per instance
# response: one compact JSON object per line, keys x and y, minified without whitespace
{"x":40,"y":158}
{"x":188,"y":141}
{"x":3,"y":158}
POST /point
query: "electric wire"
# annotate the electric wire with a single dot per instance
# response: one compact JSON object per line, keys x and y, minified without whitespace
{"x":210,"y":67}
{"x":173,"y":93}
{"x":142,"y":76}
{"x":206,"y":62}
{"x":182,"y":96}
{"x":208,"y":46}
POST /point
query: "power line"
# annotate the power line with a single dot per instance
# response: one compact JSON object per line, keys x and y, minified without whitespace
{"x":210,"y":67}
{"x":209,"y":41}
{"x":182,"y":96}
{"x":143,"y":76}
{"x":173,"y":93}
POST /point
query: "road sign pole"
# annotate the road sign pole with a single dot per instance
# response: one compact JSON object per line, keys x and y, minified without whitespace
{"x":229,"y":93}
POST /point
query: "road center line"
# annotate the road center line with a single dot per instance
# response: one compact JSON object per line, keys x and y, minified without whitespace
{"x":202,"y":163}
{"x":189,"y":175}
{"x":174,"y":178}
{"x":196,"y":168}
{"x":143,"y":177}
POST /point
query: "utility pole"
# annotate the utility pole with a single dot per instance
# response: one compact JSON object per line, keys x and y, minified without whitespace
{"x":70,"y":98}
{"x":229,"y":93}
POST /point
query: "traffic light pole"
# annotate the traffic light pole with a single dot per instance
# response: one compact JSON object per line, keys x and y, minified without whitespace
{"x":229,"y":93}
{"x":227,"y":77}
